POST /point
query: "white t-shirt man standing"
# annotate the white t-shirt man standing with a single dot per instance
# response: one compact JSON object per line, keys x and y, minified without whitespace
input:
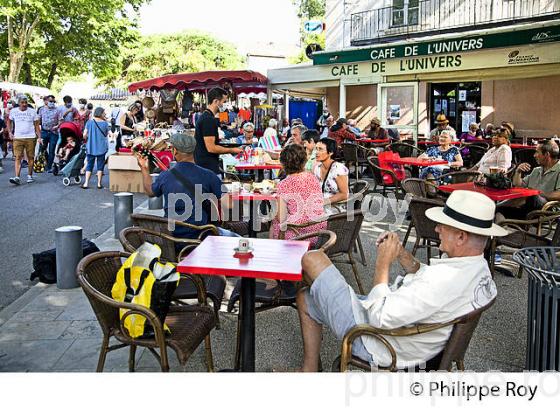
{"x":26,"y":132}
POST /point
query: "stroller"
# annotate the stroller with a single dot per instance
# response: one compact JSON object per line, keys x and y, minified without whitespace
{"x":71,"y":170}
{"x":69,"y":129}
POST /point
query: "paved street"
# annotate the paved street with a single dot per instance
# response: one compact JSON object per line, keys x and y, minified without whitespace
{"x":31,"y":213}
{"x":54,"y":330}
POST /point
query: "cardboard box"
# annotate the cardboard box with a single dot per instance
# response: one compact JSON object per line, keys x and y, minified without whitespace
{"x":125,"y":174}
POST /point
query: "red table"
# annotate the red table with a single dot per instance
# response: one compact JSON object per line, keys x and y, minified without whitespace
{"x":522,"y":146}
{"x":252,"y":167}
{"x":272,"y":259}
{"x":370,"y":141}
{"x":417,"y":162}
{"x":492,"y":193}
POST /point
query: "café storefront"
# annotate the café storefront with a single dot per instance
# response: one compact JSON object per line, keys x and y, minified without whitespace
{"x":485,"y":77}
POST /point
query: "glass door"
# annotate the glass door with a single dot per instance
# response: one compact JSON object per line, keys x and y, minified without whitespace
{"x":398,"y":108}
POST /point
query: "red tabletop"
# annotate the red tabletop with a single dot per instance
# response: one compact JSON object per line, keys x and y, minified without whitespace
{"x":417,"y":162}
{"x":248,"y":166}
{"x":370,"y":141}
{"x":522,"y":146}
{"x":272,"y":259}
{"x":492,"y":193}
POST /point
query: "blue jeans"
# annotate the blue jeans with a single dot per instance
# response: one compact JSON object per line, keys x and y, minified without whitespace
{"x":50,"y":138}
{"x":93,"y":158}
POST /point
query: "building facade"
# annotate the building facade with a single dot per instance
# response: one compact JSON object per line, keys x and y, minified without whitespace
{"x":406,"y":61}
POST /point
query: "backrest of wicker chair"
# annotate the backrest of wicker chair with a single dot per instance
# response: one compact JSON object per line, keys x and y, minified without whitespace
{"x":475,"y":154}
{"x":325,"y":239}
{"x":97,"y":273}
{"x":349,"y":152}
{"x":404,"y":150}
{"x":425,"y":228}
{"x":525,"y":155}
{"x":460,"y":337}
{"x":152,"y":222}
{"x":460,"y":176}
{"x":133,"y":237}
{"x":482,"y":144}
{"x":346,"y":226}
{"x":414,"y":186}
{"x":359,"y":190}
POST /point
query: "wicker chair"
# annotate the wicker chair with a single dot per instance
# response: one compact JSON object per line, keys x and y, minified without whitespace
{"x":522,"y":237}
{"x":214,"y":285}
{"x":525,"y":155}
{"x":159,"y":224}
{"x":418,"y":187}
{"x":189,"y":325}
{"x":283,"y":293}
{"x":424,"y":227}
{"x":458,"y":177}
{"x":358,"y":190}
{"x":475,"y":155}
{"x":354,"y":154}
{"x":378,"y":173}
{"x":453,"y":352}
{"x":346,"y":226}
{"x":404,"y":150}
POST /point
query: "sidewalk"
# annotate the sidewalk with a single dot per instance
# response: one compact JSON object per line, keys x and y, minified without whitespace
{"x":53,"y":330}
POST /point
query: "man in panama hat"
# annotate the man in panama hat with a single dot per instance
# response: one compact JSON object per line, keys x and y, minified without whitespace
{"x":442,"y":124}
{"x":449,"y":287}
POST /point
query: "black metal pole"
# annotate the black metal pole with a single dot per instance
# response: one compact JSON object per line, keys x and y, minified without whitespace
{"x":247,"y":339}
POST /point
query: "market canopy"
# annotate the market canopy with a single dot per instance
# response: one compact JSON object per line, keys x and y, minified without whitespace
{"x":245,"y":81}
{"x":24,"y":88}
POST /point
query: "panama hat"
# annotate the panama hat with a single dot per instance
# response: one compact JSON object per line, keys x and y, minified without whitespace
{"x":468,"y":211}
{"x":442,"y":119}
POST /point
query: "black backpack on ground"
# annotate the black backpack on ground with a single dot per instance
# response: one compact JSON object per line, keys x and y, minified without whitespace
{"x":44,"y":263}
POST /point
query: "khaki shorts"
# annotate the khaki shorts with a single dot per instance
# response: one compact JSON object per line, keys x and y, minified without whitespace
{"x":24,"y":144}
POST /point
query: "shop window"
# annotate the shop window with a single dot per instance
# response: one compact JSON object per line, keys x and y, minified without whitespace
{"x":405,"y":12}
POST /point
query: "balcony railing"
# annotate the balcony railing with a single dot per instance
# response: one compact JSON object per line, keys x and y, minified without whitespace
{"x":424,"y":16}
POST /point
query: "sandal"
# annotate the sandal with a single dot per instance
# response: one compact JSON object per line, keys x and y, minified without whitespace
{"x":84,"y":187}
{"x":99,"y":186}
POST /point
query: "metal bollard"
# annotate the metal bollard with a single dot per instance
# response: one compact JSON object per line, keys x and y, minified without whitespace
{"x":68,"y":242}
{"x":123,"y":210}
{"x":155,"y":202}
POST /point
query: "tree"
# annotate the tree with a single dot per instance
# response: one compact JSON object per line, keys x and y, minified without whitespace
{"x":160,"y":54}
{"x":309,"y":10}
{"x":45,"y":37}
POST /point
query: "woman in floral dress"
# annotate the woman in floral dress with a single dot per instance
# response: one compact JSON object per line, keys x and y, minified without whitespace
{"x":444,"y":151}
{"x":300,"y":198}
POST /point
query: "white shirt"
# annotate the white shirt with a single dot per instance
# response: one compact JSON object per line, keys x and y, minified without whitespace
{"x":497,"y":158}
{"x":325,"y":133}
{"x":24,"y":122}
{"x":440,"y":292}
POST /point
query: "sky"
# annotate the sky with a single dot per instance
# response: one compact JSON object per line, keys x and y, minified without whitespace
{"x":242,"y":22}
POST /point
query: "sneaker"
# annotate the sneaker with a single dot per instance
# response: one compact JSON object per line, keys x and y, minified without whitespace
{"x":1,"y":170}
{"x":50,"y":171}
{"x":498,"y":258}
{"x":24,"y":164}
{"x":30,"y":179}
{"x":15,"y":180}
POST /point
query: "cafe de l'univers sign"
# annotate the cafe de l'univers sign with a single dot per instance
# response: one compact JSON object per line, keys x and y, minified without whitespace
{"x":435,"y":55}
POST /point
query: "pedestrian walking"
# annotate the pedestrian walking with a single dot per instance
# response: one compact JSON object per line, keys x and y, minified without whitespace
{"x":97,"y":145}
{"x":25,"y":135}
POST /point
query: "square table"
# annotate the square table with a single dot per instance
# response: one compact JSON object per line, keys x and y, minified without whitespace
{"x":246,"y":166}
{"x":417,"y":162}
{"x":272,"y":259}
{"x":492,"y":193}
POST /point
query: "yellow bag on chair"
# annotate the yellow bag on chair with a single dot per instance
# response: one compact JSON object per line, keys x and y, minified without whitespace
{"x":144,"y":280}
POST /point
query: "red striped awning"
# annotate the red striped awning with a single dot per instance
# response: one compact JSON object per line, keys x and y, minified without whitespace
{"x":241,"y":80}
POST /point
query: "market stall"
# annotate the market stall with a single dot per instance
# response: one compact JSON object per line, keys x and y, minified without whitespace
{"x":174,"y":96}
